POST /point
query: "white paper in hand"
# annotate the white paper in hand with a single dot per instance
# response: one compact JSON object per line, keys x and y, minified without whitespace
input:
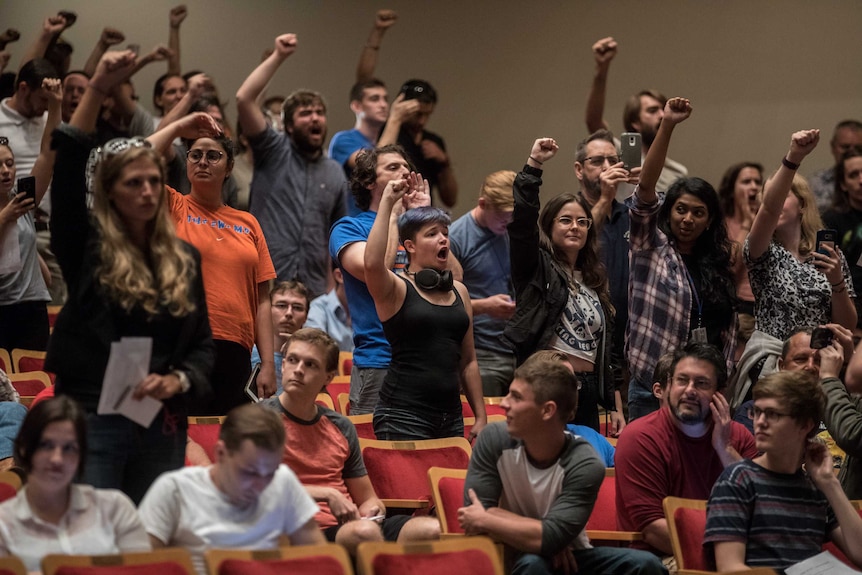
{"x":128,"y":365}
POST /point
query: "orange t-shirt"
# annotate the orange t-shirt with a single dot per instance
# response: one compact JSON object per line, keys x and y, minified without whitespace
{"x":234,"y":260}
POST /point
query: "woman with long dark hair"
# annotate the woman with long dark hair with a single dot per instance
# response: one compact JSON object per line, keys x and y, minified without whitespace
{"x":561,"y":288}
{"x":680,"y":285}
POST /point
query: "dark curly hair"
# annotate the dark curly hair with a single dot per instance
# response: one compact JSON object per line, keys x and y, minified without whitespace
{"x":365,"y":172}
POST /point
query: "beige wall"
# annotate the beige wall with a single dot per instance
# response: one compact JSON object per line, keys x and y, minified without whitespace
{"x":509,"y":71}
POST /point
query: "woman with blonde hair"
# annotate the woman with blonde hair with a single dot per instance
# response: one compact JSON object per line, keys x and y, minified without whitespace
{"x":129,"y":276}
{"x":793,"y":283}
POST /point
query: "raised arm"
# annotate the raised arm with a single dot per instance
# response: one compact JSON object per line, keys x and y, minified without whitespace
{"x":401,"y":110}
{"x":113,"y":68}
{"x":52,"y":27}
{"x":8,"y":36}
{"x":43,"y":169}
{"x":109,"y":37}
{"x":250,"y":115}
{"x":383,"y":285}
{"x":676,"y":110}
{"x":368,"y":58}
{"x":776,"y":189}
{"x":524,"y":229}
{"x":198,"y":85}
{"x":158,"y":54}
{"x":603,"y":51}
{"x":192,"y":126}
{"x":178,"y":14}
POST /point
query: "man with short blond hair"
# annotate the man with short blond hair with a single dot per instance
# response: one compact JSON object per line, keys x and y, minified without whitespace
{"x":480,"y":241}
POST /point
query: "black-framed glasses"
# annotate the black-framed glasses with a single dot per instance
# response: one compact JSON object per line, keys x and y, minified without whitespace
{"x":771,"y":415}
{"x":568,"y":222}
{"x":212,"y":156}
{"x":599,"y":161}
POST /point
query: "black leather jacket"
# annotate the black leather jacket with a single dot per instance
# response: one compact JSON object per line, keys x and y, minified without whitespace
{"x":541,"y":287}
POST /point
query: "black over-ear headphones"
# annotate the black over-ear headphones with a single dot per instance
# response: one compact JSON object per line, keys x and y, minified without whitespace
{"x":430,"y":279}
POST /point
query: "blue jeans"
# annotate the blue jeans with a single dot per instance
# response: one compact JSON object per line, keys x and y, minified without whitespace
{"x":598,"y":560}
{"x":123,"y":455}
{"x":391,"y":424}
{"x":641,"y":400}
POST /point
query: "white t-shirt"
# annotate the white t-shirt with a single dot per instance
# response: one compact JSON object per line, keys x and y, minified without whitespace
{"x":98,"y":522}
{"x":184,"y":508}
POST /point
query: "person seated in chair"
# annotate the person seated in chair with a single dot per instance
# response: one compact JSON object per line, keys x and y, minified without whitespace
{"x":770,"y":511}
{"x":322,"y":448}
{"x":532,"y":485}
{"x":246,"y":499}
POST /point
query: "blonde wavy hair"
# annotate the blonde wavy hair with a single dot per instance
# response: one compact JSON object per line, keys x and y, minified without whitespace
{"x":123,"y":270}
{"x":811,"y":221}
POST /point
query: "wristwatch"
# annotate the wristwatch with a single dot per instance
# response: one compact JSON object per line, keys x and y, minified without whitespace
{"x":185,"y":384}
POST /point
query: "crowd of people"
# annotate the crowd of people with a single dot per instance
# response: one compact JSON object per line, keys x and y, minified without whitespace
{"x":229,"y":265}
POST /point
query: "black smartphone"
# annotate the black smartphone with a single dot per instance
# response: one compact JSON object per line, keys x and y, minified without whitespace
{"x":829,"y":237}
{"x":821,"y":337}
{"x":630,"y":150}
{"x":28,"y":186}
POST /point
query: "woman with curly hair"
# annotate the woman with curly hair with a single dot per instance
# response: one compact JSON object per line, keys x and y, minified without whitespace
{"x":129,"y":276}
{"x":680,"y":284}
{"x":793,"y":284}
{"x":561,"y":288}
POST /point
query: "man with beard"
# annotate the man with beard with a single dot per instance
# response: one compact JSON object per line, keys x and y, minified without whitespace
{"x":643,"y":111}
{"x":600,"y":173}
{"x":679,"y":450}
{"x":297,"y":193}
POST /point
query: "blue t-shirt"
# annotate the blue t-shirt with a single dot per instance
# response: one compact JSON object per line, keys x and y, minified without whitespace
{"x":371,"y":346}
{"x":255,"y":359}
{"x":485,"y":258}
{"x":341,"y":147}
{"x":602,"y":446}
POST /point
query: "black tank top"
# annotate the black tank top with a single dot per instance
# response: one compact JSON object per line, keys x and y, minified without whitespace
{"x":426,"y":354}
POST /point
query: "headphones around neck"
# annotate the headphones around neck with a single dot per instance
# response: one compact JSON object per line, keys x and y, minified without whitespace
{"x":430,"y":279}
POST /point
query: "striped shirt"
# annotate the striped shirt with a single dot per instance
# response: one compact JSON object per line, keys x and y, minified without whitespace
{"x":782,"y":518}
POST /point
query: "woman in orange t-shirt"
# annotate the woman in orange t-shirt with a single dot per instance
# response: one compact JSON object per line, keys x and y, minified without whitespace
{"x":234,"y":258}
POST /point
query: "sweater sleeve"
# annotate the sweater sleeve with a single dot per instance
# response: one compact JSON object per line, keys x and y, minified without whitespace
{"x":524,"y":229}
{"x":70,"y":227}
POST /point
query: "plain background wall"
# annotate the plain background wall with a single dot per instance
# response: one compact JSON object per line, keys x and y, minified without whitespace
{"x":510,"y":71}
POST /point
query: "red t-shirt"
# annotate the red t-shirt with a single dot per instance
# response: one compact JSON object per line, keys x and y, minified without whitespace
{"x":655,"y":459}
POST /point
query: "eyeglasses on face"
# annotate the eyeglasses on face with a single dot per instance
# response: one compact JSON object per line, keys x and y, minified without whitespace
{"x":568,"y":222}
{"x":771,"y":415}
{"x":283,"y":307}
{"x":599,"y":161}
{"x":212,"y":156}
